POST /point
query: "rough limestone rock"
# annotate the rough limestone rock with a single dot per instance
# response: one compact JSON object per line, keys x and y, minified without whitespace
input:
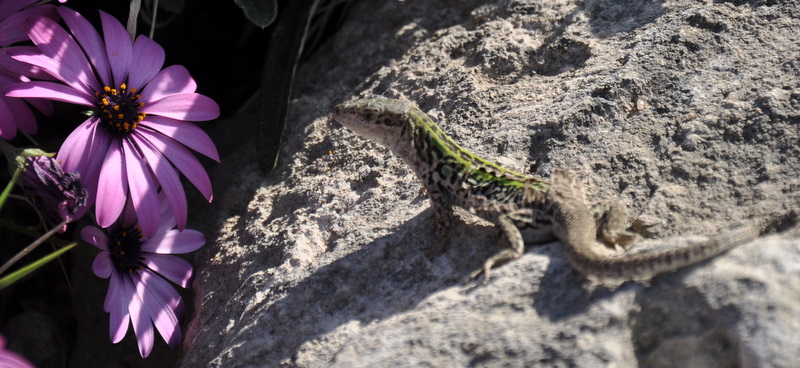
{"x":689,"y":111}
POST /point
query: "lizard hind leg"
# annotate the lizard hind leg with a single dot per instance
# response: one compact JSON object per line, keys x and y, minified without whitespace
{"x":517,"y":243}
{"x":611,"y":217}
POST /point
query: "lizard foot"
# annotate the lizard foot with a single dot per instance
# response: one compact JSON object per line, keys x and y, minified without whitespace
{"x":504,"y":255}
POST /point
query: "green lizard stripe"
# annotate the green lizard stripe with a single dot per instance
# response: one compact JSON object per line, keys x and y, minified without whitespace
{"x":447,"y":157}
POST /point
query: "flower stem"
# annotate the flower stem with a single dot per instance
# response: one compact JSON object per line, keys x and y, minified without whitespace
{"x":32,"y":246}
{"x":153,"y":23}
{"x":22,"y":272}
{"x":10,"y":186}
{"x":133,"y":17}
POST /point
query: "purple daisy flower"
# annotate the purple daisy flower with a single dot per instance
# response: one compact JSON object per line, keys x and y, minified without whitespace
{"x":135,"y":265}
{"x":10,"y":359}
{"x":15,"y":113}
{"x":139,"y":132}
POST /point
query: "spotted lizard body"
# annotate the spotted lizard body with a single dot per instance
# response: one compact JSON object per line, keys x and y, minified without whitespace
{"x":524,"y":207}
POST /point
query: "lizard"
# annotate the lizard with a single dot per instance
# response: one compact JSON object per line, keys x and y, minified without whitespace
{"x":525,"y":208}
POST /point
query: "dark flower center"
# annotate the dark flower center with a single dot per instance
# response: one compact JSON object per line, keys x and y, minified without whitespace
{"x":119,"y":108}
{"x":126,"y":249}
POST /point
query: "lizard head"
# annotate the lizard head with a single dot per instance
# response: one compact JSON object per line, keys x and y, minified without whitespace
{"x":377,"y":118}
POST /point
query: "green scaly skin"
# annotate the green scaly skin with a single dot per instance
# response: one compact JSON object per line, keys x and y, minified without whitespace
{"x":525,"y":208}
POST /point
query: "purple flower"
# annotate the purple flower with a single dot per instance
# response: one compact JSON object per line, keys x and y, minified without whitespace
{"x":135,"y":265}
{"x":15,"y":113}
{"x":57,"y":194}
{"x":10,"y":359}
{"x":137,"y":135}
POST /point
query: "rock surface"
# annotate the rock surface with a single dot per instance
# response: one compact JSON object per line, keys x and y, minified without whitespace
{"x":688,"y":111}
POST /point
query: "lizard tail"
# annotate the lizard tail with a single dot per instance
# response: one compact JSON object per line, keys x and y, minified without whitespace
{"x":573,"y":223}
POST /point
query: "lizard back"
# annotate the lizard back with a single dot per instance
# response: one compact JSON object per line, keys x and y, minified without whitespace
{"x":445,"y":168}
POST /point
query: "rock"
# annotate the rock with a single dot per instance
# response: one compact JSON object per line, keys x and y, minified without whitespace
{"x":688,"y":111}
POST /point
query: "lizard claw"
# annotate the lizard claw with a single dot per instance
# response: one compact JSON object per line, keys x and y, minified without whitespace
{"x":474,"y":275}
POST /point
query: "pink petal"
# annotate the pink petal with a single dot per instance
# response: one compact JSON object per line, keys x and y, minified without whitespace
{"x":118,"y":47}
{"x":19,"y":68}
{"x":10,"y":7}
{"x":182,"y":159}
{"x":95,"y":236}
{"x":143,"y":190}
{"x":172,"y":80}
{"x":142,"y":326}
{"x":102,"y":265}
{"x":49,"y":90}
{"x":149,"y":58}
{"x":167,"y":177}
{"x":152,"y":291}
{"x":173,"y":268}
{"x":84,"y":151}
{"x":22,"y":114}
{"x":90,"y":40}
{"x":190,"y":135}
{"x":8,"y":126}
{"x":40,"y":64}
{"x":44,"y":106}
{"x":112,"y":190}
{"x":167,"y":217}
{"x":129,"y":214}
{"x":184,"y":106}
{"x":120,"y":293}
{"x":73,"y":154}
{"x":170,"y":296}
{"x":174,"y":242}
{"x":72,"y":66}
{"x":13,"y":29}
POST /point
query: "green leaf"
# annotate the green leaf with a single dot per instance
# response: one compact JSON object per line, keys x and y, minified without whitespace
{"x":261,"y":12}
{"x":24,"y":271}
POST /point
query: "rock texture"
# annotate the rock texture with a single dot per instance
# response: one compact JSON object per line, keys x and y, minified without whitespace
{"x":687,"y":110}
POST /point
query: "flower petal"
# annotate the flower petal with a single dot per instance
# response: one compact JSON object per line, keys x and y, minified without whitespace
{"x":167,"y":217}
{"x":182,"y":159}
{"x":152,"y":292}
{"x":173,"y":268}
{"x":184,"y":106}
{"x":21,"y":113}
{"x":149,"y":58}
{"x":13,"y":29}
{"x":190,"y":135}
{"x":84,"y":151}
{"x":168,"y":178}
{"x":171,"y":297}
{"x":8,"y":125}
{"x":10,"y":7}
{"x":118,"y":298}
{"x":118,"y":47}
{"x":90,"y":40}
{"x":44,"y":106}
{"x":171,"y":80}
{"x":72,"y":67}
{"x":142,"y":326}
{"x":143,"y":190}
{"x":102,"y":265}
{"x":174,"y":242}
{"x":112,"y":189}
{"x":40,"y":64}
{"x":95,"y":236}
{"x":48,"y":90}
{"x":17,"y":67}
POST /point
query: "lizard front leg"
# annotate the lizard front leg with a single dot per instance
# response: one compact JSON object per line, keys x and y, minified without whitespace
{"x":443,"y":214}
{"x":514,"y":237}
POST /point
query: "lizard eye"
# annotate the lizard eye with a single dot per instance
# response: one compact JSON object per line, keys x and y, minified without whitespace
{"x":369,"y":116}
